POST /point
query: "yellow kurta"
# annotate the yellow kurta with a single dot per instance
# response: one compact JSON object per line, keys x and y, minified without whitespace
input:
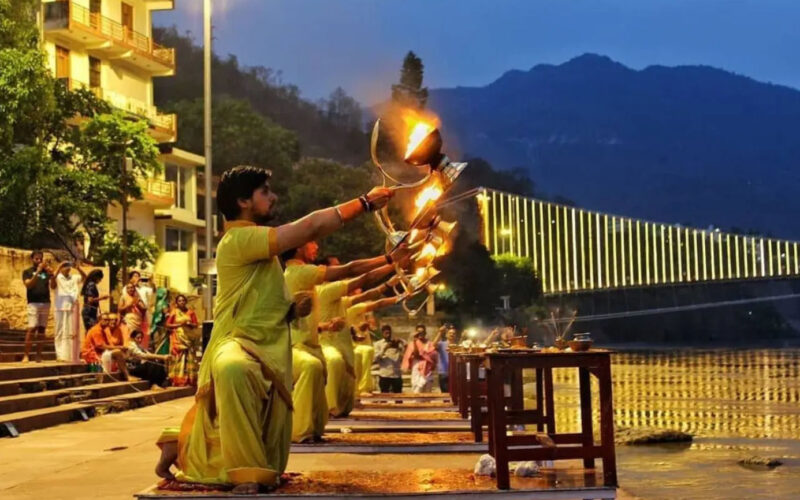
{"x":363,"y":350}
{"x":308,"y":363}
{"x":338,"y":349}
{"x":239,"y":429}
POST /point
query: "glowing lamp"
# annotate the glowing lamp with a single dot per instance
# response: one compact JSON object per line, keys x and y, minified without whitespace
{"x":424,"y":146}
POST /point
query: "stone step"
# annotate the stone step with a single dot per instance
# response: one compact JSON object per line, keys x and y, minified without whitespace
{"x":15,"y":371}
{"x":26,"y":421}
{"x":47,"y":345}
{"x":17,"y":355}
{"x":12,"y":334}
{"x":135,"y":400}
{"x":39,"y":384}
{"x":45,"y":399}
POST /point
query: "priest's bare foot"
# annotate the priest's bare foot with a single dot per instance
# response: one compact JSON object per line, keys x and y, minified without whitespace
{"x":169,"y":453}
{"x":245,"y":489}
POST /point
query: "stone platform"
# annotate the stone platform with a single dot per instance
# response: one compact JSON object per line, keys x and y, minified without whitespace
{"x":404,"y":446}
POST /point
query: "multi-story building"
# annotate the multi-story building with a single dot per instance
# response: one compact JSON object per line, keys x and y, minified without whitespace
{"x":106,"y":46}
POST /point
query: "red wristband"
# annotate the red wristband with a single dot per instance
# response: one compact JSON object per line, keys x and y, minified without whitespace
{"x":350,"y":210}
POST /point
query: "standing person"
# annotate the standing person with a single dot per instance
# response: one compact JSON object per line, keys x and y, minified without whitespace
{"x":420,"y":359}
{"x":389,"y":356}
{"x":91,"y":299}
{"x":443,"y":365}
{"x":184,"y":339}
{"x":158,"y":327}
{"x":67,"y":287}
{"x":147,"y":292}
{"x":363,"y":349}
{"x":239,"y":430}
{"x":37,"y":291}
{"x":132,"y":309}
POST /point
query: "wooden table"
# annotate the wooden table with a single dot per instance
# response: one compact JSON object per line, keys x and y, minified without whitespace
{"x":506,"y":367}
{"x":468,"y":390}
{"x":451,"y":375}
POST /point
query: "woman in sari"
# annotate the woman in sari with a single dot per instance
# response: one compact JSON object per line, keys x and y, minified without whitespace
{"x":91,"y":299}
{"x":185,"y":339}
{"x":158,"y":327}
{"x":132,"y":309}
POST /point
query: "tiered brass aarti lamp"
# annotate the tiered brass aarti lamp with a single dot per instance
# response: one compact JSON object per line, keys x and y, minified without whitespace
{"x":428,"y":236}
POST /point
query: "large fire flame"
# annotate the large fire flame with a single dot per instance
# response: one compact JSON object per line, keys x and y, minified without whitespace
{"x":418,"y":133}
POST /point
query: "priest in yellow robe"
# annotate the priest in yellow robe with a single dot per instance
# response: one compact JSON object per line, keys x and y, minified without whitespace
{"x":238,"y":431}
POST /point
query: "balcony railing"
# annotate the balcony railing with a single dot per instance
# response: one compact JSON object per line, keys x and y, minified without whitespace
{"x":134,"y":106}
{"x":67,"y":13}
{"x":158,"y":188}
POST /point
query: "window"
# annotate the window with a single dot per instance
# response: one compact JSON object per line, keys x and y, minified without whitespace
{"x":178,"y":240}
{"x":62,"y":62}
{"x":94,"y":72}
{"x":176,"y":174}
{"x":95,"y":6}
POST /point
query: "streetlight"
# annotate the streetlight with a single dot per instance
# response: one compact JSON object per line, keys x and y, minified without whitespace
{"x":207,"y":293}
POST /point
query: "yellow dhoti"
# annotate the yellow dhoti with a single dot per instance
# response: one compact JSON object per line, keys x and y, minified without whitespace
{"x":364,"y":355}
{"x":239,"y":429}
{"x":340,"y":388}
{"x":308,"y":397}
{"x":243,"y":411}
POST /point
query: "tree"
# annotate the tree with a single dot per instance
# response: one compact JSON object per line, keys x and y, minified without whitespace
{"x":409,"y":92}
{"x":58,"y":179}
{"x":18,"y":24}
{"x":475,"y":281}
{"x":141,"y":251}
{"x":240,"y":136}
{"x":266,"y":94}
{"x":318,"y":183}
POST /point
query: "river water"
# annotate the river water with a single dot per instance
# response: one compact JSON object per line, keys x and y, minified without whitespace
{"x":737,"y":403}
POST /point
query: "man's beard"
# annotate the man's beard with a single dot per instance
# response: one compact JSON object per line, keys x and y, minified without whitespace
{"x":268,"y":218}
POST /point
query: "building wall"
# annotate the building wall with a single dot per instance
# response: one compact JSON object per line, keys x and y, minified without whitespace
{"x":140,"y":218}
{"x":117,"y":80}
{"x":122,"y":85}
{"x":179,"y":268}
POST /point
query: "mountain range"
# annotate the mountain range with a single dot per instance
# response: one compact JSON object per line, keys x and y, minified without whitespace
{"x":687,"y":144}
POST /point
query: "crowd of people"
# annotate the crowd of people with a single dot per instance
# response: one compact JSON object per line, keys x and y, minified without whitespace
{"x":144,"y":337}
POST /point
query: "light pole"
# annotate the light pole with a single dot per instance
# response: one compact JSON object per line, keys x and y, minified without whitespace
{"x":207,"y":296}
{"x":126,"y":166}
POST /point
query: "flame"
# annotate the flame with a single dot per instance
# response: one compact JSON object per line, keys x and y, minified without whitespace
{"x":430,"y":193}
{"x":418,"y":133}
{"x":420,"y":273}
{"x":428,"y":251}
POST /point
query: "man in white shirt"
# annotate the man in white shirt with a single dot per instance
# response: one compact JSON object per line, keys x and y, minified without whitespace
{"x":66,"y":311}
{"x":145,"y":291}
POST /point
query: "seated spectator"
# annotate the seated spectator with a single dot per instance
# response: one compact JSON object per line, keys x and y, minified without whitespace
{"x":105,"y":344}
{"x":144,"y":364}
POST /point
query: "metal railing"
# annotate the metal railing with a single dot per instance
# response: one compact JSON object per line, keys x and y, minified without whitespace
{"x":125,"y":103}
{"x":574,"y":250}
{"x":161,"y":281}
{"x":158,"y":187}
{"x":73,"y":13}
